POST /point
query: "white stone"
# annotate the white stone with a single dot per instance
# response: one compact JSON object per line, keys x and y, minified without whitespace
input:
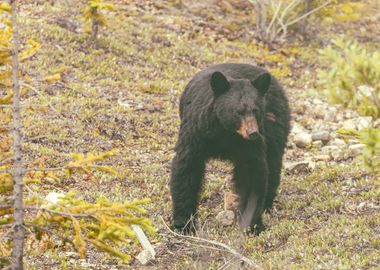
{"x":302,"y":139}
{"x":145,"y":257}
{"x":53,"y":198}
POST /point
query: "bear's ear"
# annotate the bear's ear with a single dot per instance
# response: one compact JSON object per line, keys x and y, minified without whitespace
{"x":262,"y":83}
{"x":219,"y":83}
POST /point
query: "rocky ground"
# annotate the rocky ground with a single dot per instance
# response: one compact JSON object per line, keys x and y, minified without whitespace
{"x":314,"y":140}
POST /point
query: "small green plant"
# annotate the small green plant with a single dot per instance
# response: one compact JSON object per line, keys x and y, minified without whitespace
{"x":92,"y":14}
{"x":353,"y":81}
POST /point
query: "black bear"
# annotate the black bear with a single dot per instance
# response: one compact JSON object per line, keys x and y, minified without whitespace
{"x":235,"y":112}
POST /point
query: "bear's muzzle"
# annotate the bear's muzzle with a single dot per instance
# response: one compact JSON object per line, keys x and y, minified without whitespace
{"x":249,"y":128}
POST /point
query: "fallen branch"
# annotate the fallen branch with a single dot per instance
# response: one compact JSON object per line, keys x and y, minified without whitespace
{"x":66,"y":214}
{"x":223,"y":247}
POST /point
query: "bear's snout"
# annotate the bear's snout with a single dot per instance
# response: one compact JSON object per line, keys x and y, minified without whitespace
{"x":249,"y":129}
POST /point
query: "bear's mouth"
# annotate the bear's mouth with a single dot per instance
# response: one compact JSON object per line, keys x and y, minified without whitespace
{"x":249,"y":129}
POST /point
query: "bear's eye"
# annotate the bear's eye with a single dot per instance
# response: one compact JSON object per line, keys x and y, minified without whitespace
{"x":240,"y":112}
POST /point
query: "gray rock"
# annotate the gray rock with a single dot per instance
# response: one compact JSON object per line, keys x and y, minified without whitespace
{"x":356,"y":149}
{"x":321,"y":135}
{"x":298,"y":166}
{"x":302,"y":139}
{"x":226,"y":217}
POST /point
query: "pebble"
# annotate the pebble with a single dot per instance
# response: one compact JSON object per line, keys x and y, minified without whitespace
{"x":321,"y":135}
{"x":328,"y":149}
{"x":302,"y":139}
{"x":356,"y":149}
{"x":337,"y":155}
{"x":298,"y":166}
{"x":364,"y":122}
{"x":319,"y":111}
{"x":226,"y":217}
{"x":349,"y":124}
{"x":322,"y":158}
{"x":317,"y":144}
{"x":330,"y":116}
{"x":338,"y":142}
{"x":145,"y":257}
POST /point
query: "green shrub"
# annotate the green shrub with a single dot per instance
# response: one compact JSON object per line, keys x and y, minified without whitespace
{"x":352,"y":80}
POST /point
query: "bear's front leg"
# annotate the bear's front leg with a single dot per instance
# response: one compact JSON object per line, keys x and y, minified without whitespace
{"x":185,"y":184}
{"x":251,"y":183}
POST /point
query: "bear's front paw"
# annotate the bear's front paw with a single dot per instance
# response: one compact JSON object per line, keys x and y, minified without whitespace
{"x":188,"y":228}
{"x":255,"y":229}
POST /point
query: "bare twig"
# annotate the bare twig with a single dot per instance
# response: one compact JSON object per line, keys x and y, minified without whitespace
{"x":309,"y":13}
{"x":66,"y":214}
{"x":224,"y":247}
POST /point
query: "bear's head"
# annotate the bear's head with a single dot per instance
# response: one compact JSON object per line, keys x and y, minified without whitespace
{"x":239,"y":104}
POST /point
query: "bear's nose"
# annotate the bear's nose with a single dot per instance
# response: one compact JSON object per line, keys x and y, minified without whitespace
{"x":253,"y":135}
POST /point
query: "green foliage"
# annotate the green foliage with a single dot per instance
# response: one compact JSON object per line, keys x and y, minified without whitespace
{"x":353,"y":81}
{"x":92,"y":9}
{"x":103,"y":224}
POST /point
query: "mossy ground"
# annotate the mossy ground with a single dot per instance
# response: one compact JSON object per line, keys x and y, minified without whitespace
{"x":122,"y":93}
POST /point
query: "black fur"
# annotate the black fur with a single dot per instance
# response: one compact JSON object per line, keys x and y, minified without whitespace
{"x":211,"y":109}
